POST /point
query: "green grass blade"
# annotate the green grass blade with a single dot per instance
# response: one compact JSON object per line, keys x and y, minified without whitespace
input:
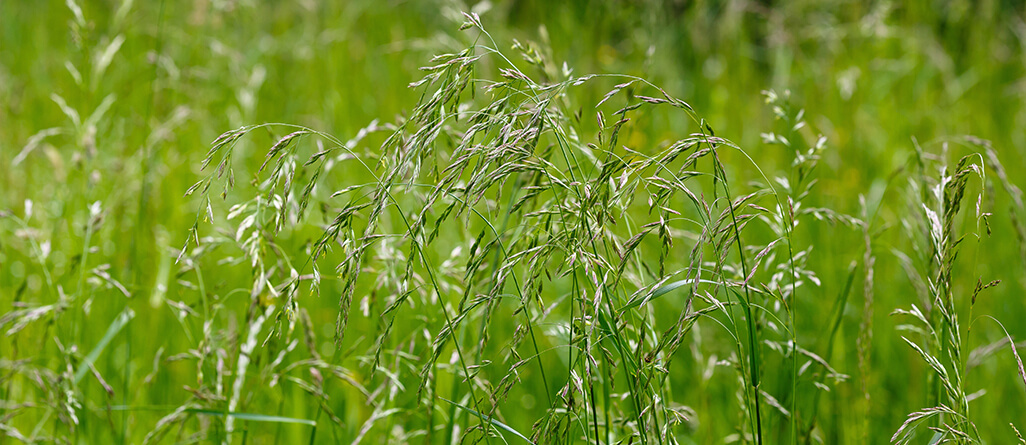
{"x":640,"y":300}
{"x":252,"y":416}
{"x":493,"y":422}
{"x":115,"y":327}
{"x":210,"y":412}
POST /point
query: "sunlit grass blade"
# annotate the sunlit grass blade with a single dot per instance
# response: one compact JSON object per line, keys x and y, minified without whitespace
{"x":209,"y":412}
{"x":493,"y":422}
{"x":640,"y":300}
{"x":252,"y":417}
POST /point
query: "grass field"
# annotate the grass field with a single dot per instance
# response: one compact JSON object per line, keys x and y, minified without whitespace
{"x":433,"y":222}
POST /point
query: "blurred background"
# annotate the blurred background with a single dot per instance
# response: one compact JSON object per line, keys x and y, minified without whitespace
{"x":107,"y":109}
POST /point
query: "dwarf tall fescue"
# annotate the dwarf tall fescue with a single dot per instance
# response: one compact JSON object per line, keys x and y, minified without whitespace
{"x":505,"y":236}
{"x":524,"y":254}
{"x":938,"y":334}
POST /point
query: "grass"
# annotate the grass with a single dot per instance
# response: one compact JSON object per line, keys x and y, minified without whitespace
{"x":461,"y":235}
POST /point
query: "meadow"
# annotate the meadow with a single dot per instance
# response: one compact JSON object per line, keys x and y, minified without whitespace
{"x":622,"y":222}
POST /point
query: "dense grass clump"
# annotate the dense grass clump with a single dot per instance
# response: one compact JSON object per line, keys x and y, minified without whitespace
{"x":507,"y":250}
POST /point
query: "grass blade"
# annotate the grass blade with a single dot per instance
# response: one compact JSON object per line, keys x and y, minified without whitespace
{"x":640,"y":300}
{"x":253,"y":417}
{"x":493,"y":422}
{"x":115,"y":327}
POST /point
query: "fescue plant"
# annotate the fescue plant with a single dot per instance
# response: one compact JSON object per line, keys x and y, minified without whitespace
{"x":496,"y":199}
{"x":941,"y":309}
{"x":524,"y":253}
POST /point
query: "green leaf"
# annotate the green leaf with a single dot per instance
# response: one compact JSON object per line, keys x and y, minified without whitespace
{"x":640,"y":300}
{"x":112,"y":330}
{"x":252,"y":416}
{"x":496,"y":423}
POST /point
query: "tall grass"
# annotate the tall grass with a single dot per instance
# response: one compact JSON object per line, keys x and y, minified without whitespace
{"x":508,"y":250}
{"x":944,"y":342}
{"x":520,"y":154}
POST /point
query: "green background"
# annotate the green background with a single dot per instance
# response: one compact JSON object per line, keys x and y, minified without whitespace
{"x":875,"y":78}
